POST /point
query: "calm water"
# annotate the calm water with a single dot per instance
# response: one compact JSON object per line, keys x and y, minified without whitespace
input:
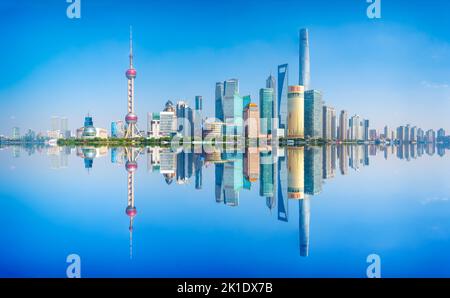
{"x":304,"y":212}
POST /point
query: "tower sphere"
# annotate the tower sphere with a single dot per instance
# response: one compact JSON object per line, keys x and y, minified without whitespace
{"x":131,"y":73}
{"x":131,"y":118}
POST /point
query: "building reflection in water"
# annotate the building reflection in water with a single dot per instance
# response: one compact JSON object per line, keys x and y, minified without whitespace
{"x":283,"y":174}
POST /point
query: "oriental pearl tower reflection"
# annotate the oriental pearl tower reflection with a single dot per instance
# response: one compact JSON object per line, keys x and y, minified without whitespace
{"x":131,"y":166}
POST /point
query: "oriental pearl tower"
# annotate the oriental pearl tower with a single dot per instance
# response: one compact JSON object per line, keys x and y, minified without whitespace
{"x":131,"y":118}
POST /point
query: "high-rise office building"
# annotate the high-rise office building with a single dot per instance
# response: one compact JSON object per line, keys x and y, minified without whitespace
{"x":16,"y":133}
{"x":219,"y":101}
{"x":252,"y":121}
{"x":329,"y":123}
{"x":366,"y":135}
{"x":356,"y":128}
{"x":232,"y":108}
{"x":304,"y":63}
{"x":313,"y":114}
{"x":265,"y":110}
{"x":296,"y":112}
{"x":272,"y":83}
{"x":343,"y":125}
{"x":198,"y":117}
{"x":154,"y":125}
{"x":282,"y":97}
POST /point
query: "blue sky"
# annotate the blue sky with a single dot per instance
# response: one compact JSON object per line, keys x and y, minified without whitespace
{"x":394,"y":70}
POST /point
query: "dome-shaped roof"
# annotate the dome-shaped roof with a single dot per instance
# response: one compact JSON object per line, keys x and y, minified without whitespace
{"x":89,"y":131}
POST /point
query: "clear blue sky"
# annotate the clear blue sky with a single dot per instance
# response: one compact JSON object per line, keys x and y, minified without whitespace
{"x":395,"y":70}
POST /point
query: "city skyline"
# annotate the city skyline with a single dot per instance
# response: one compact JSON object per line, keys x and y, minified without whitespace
{"x":404,"y":109}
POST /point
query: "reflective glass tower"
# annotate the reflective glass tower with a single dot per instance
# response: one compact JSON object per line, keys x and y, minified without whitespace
{"x":304,"y":75}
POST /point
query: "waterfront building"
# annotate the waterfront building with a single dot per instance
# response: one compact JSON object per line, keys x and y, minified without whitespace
{"x":296,"y":112}
{"x":343,"y":125}
{"x":266,"y":110}
{"x":313,"y":114}
{"x":282,"y":99}
{"x":252,"y":121}
{"x":356,"y":128}
{"x":328,"y":123}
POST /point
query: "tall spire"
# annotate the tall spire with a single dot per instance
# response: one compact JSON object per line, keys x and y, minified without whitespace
{"x":131,"y":47}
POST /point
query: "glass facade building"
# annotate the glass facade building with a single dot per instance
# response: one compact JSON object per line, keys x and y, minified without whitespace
{"x":313,"y":114}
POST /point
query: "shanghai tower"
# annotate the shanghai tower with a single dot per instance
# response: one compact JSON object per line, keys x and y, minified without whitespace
{"x":304,"y":78}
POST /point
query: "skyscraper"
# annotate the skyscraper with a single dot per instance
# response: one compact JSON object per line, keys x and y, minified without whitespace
{"x":366,"y":130}
{"x":343,"y":125}
{"x":296,"y":112}
{"x":282,"y":92}
{"x":304,"y":63}
{"x":219,"y":101}
{"x":356,"y":128}
{"x":313,"y":114}
{"x":198,"y":117}
{"x":272,"y":83}
{"x":232,"y":108}
{"x":252,"y":121}
{"x":329,"y":123}
{"x":265,"y":111}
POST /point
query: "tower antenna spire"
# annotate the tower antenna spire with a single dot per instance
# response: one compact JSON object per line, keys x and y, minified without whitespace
{"x":131,"y":46}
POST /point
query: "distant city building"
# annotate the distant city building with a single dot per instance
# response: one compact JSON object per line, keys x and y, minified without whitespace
{"x":440,"y":135}
{"x":373,"y":135}
{"x":16,"y":133}
{"x":265,"y":110}
{"x":198,"y":117}
{"x":313,"y":114}
{"x":356,"y":128}
{"x":430,"y":136}
{"x":154,"y":125}
{"x":272,"y":83}
{"x":304,"y":63}
{"x":328,"y":123}
{"x":366,"y":134}
{"x":343,"y":125}
{"x":296,"y":112}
